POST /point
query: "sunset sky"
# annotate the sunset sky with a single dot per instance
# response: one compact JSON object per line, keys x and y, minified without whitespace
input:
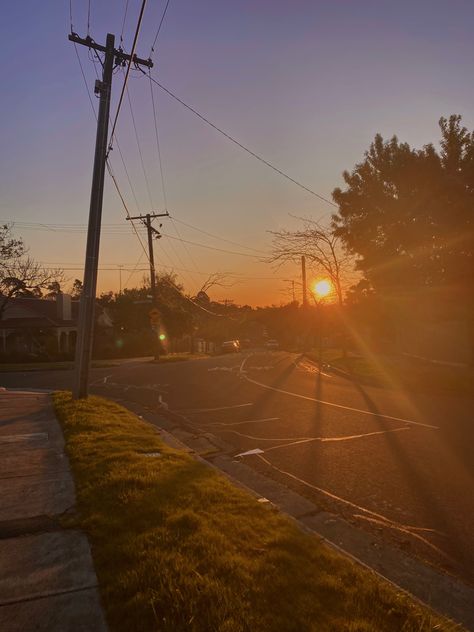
{"x":305,"y":84}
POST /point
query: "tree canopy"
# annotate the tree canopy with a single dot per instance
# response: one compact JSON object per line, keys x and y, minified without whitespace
{"x":407,"y":214}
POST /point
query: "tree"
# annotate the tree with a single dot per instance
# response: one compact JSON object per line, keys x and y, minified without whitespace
{"x":76,"y":289}
{"x":20,"y":275}
{"x":322,"y":249}
{"x":54,"y":289}
{"x":408,"y":214}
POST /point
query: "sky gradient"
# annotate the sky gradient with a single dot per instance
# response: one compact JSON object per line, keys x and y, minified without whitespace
{"x":305,"y":84}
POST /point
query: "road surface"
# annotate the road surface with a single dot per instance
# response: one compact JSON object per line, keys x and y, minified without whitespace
{"x":397,"y":463}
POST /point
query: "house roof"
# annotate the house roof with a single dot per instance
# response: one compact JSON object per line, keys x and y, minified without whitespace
{"x":35,"y":312}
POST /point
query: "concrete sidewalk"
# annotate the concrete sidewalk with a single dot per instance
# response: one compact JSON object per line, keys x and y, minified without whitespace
{"x":48,"y":582}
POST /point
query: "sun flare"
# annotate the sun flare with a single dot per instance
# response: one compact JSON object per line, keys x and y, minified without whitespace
{"x":323,"y":288}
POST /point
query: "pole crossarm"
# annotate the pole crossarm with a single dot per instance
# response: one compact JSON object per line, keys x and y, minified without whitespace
{"x":151,"y":215}
{"x":120,"y":56}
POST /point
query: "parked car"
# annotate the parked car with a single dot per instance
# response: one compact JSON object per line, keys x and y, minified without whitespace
{"x":231,"y":346}
{"x":272,"y":344}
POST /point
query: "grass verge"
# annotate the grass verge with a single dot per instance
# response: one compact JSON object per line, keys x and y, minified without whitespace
{"x":402,"y":372}
{"x":177,"y":547}
{"x":96,"y":364}
{"x":181,"y":357}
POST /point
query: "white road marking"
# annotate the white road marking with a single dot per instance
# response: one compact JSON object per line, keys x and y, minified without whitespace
{"x":309,"y":367}
{"x":210,"y":410}
{"x":239,"y":423}
{"x":383,"y":520}
{"x":249,"y":452}
{"x":333,"y":404}
{"x":298,"y":440}
{"x":333,"y":439}
{"x":101,"y":380}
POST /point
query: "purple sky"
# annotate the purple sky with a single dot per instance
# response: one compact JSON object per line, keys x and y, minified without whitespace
{"x":305,"y":84}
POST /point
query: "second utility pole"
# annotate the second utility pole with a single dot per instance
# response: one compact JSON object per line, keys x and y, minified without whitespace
{"x":154,"y":314}
{"x":303,"y":279}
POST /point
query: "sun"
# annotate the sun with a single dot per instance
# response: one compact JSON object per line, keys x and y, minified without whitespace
{"x":323,"y":288}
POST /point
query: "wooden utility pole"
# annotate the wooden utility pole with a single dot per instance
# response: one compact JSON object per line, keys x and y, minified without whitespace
{"x":86,"y":309}
{"x":303,"y":280}
{"x":120,"y":266}
{"x":154,"y":316}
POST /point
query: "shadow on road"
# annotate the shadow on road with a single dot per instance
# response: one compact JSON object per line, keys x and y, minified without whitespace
{"x":420,"y":488}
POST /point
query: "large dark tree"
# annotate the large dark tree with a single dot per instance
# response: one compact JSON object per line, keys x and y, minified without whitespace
{"x":407,"y":214}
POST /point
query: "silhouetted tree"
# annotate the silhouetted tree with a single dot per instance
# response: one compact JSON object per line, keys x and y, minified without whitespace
{"x":54,"y":289}
{"x":76,"y":289}
{"x":20,"y":275}
{"x":408,"y":214}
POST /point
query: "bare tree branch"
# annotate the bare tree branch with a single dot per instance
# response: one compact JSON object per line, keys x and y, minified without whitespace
{"x":216,"y":279}
{"x":322,"y":249}
{"x":19,"y":273}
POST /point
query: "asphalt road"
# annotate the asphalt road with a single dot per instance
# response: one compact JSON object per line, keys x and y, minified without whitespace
{"x":397,"y":463}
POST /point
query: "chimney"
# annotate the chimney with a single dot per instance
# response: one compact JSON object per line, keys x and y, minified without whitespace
{"x":63,"y":306}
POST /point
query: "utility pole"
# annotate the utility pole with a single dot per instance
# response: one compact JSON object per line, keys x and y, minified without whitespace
{"x":303,"y":279}
{"x":86,"y":309}
{"x":154,"y":316}
{"x":120,"y":266}
{"x":227,"y":302}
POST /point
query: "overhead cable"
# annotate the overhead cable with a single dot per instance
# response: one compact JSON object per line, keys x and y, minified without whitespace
{"x":152,"y":50}
{"x":205,"y":232}
{"x":132,"y":53}
{"x":123,"y":21}
{"x":195,"y":243}
{"x":236,"y":142}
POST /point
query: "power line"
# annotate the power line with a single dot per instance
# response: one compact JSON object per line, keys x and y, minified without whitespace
{"x":139,"y":149}
{"x":132,"y":53}
{"x":114,"y":180}
{"x":205,"y":232}
{"x":160,"y":162}
{"x":194,"y":243}
{"x":236,"y":142}
{"x":123,"y":21}
{"x":78,"y":228}
{"x":120,"y":229}
{"x":134,"y":269}
{"x":88,"y":17}
{"x":152,"y":50}
{"x":171,"y":266}
{"x":84,"y":78}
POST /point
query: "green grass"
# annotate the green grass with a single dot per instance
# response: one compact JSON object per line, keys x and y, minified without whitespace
{"x":403,"y":372}
{"x":177,"y":547}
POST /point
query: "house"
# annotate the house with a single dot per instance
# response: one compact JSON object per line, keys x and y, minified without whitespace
{"x":39,"y":326}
